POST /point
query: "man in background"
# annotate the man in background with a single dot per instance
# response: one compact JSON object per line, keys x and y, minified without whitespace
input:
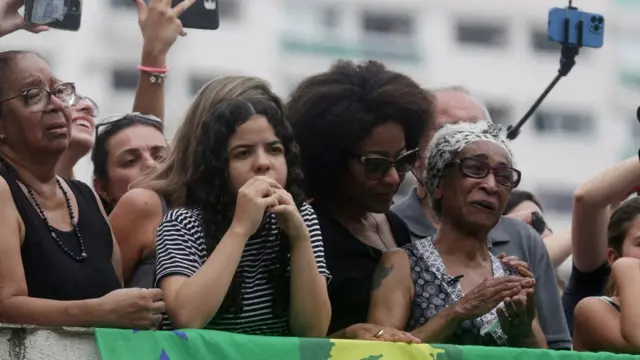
{"x":453,"y":103}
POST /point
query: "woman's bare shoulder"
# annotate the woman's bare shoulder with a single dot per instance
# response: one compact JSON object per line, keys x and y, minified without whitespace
{"x":139,"y":203}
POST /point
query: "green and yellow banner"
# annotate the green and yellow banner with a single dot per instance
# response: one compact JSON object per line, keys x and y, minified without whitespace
{"x":207,"y":344}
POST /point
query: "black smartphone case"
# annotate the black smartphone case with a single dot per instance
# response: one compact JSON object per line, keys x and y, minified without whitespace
{"x":538,"y":223}
{"x":203,"y":14}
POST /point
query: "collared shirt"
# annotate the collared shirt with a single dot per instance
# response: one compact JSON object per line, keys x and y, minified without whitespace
{"x":514,"y":238}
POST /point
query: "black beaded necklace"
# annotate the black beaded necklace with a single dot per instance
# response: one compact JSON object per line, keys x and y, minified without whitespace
{"x":83,"y":254}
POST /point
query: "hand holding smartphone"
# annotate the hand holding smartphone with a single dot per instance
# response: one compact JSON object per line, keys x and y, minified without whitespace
{"x":56,"y":14}
{"x":203,"y":14}
{"x":12,"y":19}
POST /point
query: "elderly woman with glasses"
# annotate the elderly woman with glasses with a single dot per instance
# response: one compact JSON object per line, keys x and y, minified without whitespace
{"x":59,"y":263}
{"x":449,"y":288}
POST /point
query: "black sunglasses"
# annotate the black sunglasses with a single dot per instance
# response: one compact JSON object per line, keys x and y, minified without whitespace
{"x":376,"y":166}
{"x":106,"y":122}
{"x":479,"y":169}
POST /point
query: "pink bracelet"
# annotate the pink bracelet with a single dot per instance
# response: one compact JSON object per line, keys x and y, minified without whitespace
{"x":152,"y":70}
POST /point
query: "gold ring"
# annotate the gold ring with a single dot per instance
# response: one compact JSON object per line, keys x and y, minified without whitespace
{"x":378,"y":334}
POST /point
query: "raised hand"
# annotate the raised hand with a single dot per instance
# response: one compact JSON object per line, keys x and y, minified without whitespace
{"x":11,"y":20}
{"x":133,"y":308}
{"x":159,"y":24}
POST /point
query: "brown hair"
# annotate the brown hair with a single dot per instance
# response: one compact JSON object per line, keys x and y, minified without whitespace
{"x":169,"y":179}
{"x":617,"y":229}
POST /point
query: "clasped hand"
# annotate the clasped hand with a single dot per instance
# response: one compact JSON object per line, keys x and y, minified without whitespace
{"x":133,"y":308}
{"x":489,"y":294}
{"x":262,"y":194}
{"x":515,"y":292}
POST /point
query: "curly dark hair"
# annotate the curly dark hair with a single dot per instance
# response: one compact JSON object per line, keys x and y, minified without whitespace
{"x":209,"y":189}
{"x":332,"y":111}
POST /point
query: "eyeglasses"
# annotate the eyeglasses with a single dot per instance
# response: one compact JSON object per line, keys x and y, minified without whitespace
{"x":376,"y":167}
{"x":95,"y":111}
{"x":106,"y":122}
{"x":479,"y":169}
{"x":37,"y":99}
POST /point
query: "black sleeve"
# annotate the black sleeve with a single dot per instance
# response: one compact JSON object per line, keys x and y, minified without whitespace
{"x":582,"y":285}
{"x":399,"y":229}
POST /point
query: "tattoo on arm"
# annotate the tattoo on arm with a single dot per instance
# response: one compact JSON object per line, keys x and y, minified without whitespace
{"x":381,"y":273}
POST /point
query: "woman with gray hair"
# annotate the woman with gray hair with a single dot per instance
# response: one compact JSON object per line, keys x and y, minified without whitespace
{"x":449,"y":288}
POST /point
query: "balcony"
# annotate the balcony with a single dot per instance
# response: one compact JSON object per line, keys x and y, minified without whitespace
{"x":402,"y":51}
{"x":32,"y":343}
{"x":19,"y":342}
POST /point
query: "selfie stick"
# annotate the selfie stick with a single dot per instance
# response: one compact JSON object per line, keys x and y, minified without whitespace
{"x":567,"y":60}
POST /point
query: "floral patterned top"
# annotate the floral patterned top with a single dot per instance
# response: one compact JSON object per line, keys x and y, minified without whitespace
{"x":435,"y":290}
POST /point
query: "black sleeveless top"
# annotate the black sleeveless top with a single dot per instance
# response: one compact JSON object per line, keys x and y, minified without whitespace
{"x":49,"y":271}
{"x":144,"y":273}
{"x":351,"y":264}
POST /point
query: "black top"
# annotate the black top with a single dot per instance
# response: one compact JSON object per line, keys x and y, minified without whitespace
{"x":351,"y":264}
{"x":145,"y":271}
{"x":582,"y":285}
{"x":49,"y":271}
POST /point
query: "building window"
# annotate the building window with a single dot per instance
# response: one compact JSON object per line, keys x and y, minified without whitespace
{"x":330,"y":17}
{"x":560,"y":122}
{"x":555,"y":200}
{"x":630,"y":79}
{"x":387,"y":36}
{"x":124,"y":79}
{"x":196,"y":82}
{"x":500,"y":113}
{"x":124,"y":4}
{"x":488,"y":34}
{"x":540,"y":42}
{"x":310,"y":22}
{"x":388,"y":24}
{"x":230,"y":9}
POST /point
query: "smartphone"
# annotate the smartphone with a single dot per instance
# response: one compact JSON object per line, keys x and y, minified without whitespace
{"x":589,"y":25}
{"x":538,"y":223}
{"x":56,"y":14}
{"x":203,"y":14}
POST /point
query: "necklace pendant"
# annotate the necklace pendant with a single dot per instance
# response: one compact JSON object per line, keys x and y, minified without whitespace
{"x":83,"y":255}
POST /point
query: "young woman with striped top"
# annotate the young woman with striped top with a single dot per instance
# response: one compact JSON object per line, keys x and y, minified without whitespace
{"x":245,"y":255}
